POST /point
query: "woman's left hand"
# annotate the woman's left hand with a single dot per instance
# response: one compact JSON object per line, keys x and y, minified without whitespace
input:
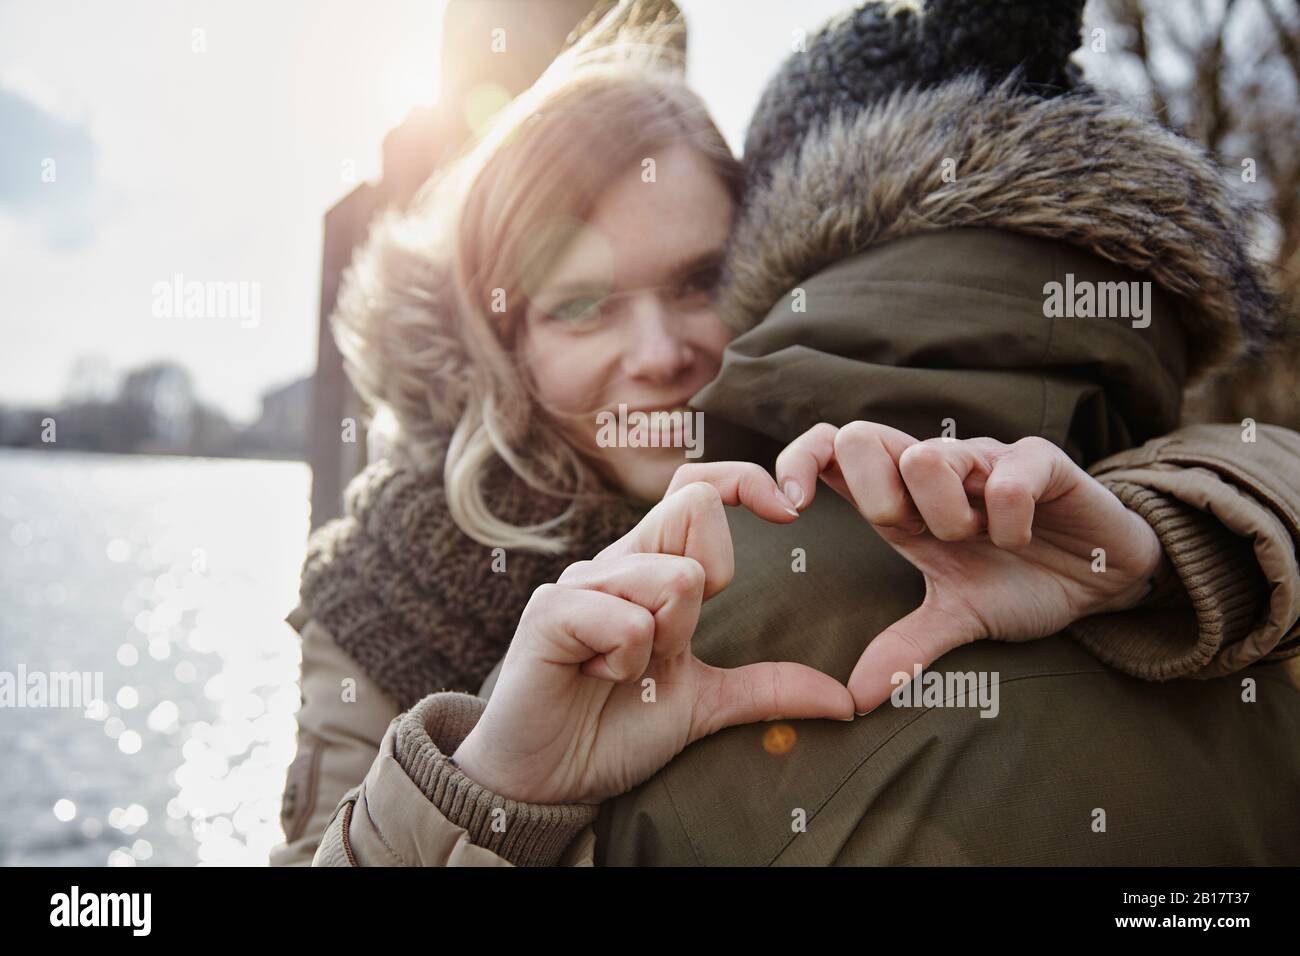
{"x":1007,"y":536}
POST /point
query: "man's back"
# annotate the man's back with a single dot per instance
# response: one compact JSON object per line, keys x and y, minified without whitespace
{"x":1074,"y":764}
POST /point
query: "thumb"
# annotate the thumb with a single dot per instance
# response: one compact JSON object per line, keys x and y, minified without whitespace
{"x":744,"y":695}
{"x":919,"y":639}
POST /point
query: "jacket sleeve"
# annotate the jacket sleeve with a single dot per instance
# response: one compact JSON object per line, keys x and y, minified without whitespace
{"x":340,"y":724}
{"x":1225,"y":502}
{"x":416,"y":808}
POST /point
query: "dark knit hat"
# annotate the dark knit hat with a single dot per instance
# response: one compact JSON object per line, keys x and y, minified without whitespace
{"x":884,"y":46}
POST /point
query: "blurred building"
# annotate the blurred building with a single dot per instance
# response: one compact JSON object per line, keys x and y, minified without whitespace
{"x":285,"y":423}
{"x":159,"y":401}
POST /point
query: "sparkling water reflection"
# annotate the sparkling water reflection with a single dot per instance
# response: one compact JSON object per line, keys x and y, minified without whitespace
{"x":172,"y":577}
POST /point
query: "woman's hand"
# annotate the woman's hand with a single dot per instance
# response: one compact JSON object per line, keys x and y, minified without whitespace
{"x":599,"y":688}
{"x":1007,"y":537}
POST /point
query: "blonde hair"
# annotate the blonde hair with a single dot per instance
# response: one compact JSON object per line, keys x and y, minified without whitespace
{"x":420,"y":321}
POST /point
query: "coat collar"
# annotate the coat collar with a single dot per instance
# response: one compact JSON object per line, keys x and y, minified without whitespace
{"x":953,"y":334}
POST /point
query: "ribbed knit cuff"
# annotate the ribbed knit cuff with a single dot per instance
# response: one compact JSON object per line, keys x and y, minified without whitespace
{"x":1167,"y":590}
{"x":1173,"y":635}
{"x":1170,"y":635}
{"x":527,"y":834}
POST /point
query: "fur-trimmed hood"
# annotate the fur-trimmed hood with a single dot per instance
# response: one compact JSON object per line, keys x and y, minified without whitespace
{"x":1079,"y":168}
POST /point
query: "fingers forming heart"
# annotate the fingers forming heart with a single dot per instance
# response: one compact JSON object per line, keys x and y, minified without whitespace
{"x":691,"y":520}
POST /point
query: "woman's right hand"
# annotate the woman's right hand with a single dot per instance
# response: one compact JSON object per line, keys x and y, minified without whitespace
{"x":599,"y":688}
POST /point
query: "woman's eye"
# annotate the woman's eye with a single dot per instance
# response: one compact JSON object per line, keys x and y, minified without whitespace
{"x":581,"y":311}
{"x":704,"y":282}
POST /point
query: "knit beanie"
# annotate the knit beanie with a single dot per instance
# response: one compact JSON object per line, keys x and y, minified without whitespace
{"x":885,"y":46}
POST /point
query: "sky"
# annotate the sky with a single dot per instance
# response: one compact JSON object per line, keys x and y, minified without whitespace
{"x":206,"y":140}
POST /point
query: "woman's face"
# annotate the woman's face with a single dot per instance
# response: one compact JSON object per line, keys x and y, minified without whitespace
{"x":626,"y":316}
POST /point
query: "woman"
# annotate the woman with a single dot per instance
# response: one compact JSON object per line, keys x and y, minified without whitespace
{"x":573,"y":275}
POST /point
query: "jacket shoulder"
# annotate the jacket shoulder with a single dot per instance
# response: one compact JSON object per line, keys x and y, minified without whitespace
{"x":342,"y":718}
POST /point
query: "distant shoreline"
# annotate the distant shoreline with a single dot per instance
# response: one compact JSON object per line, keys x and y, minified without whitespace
{"x":65,"y":451}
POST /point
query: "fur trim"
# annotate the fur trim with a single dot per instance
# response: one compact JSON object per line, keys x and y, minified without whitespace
{"x":398,"y":328}
{"x":1079,"y":168}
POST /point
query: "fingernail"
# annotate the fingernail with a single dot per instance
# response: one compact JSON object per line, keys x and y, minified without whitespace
{"x":847,"y":720}
{"x":793,"y":492}
{"x":787,"y":504}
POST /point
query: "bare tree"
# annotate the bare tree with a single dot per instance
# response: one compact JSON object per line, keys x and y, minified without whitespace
{"x":1227,"y":74}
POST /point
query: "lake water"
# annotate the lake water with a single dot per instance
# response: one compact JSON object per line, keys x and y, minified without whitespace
{"x":171,"y":577}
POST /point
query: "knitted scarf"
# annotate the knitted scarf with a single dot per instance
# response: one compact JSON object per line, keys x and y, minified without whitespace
{"x":418,"y":604}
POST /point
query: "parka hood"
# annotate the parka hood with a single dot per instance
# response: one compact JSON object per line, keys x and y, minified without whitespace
{"x":1072,"y":184}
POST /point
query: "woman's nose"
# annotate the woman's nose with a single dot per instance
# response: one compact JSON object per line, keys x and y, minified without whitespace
{"x":653,"y":349}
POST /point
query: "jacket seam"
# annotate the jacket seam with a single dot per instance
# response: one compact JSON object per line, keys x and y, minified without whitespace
{"x":401,"y":860}
{"x":681,"y":822}
{"x":1225,"y":468}
{"x":1047,"y":351}
{"x":313,"y":781}
{"x":343,"y":832}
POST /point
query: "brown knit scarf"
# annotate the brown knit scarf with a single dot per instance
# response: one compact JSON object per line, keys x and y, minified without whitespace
{"x":413,"y":599}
